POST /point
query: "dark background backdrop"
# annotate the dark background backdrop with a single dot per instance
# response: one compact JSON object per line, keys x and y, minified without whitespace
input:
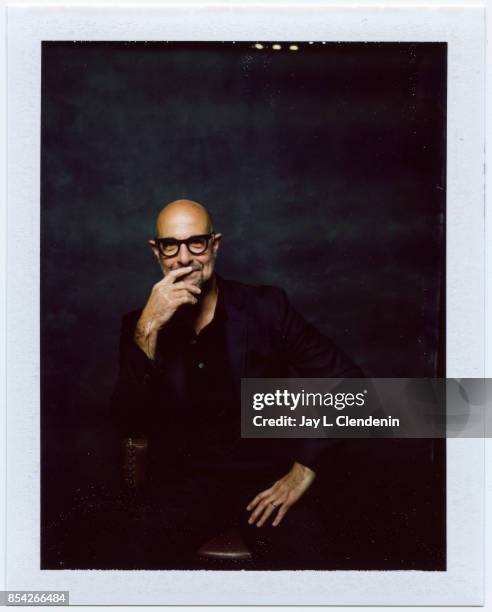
{"x":324,"y":168}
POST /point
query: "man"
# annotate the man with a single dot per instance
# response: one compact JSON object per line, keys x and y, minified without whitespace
{"x":181,"y":361}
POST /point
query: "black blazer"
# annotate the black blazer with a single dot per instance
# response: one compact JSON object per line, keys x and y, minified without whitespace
{"x":266,"y":338}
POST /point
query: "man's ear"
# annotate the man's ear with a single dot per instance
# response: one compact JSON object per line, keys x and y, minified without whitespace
{"x":216,"y":243}
{"x":154,"y":248}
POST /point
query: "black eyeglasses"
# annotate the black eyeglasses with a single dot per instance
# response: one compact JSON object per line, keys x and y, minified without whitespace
{"x":196,"y":245}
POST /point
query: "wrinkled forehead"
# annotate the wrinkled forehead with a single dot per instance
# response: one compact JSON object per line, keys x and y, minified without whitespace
{"x":182,"y":224}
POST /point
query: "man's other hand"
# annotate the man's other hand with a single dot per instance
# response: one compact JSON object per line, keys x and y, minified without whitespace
{"x":281,"y":496}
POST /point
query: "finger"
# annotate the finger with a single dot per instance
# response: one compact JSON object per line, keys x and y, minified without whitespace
{"x":282,"y":511}
{"x":271,"y":507}
{"x":181,"y":293}
{"x":188,"y":286}
{"x":260,"y":509}
{"x":186,"y":299}
{"x":174,"y":274}
{"x":258,"y":498}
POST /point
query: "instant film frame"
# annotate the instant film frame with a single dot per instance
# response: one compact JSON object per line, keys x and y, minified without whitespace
{"x":463,"y":30}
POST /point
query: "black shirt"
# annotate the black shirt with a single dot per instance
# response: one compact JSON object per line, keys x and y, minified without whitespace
{"x":213,"y":400}
{"x":213,"y":404}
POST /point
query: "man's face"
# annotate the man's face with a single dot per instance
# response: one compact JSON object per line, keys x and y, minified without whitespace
{"x":181,"y":225}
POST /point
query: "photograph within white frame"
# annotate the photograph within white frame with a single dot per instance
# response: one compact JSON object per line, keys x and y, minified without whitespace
{"x":462,"y":583}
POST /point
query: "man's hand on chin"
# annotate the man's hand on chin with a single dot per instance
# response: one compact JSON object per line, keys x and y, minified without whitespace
{"x":281,"y":496}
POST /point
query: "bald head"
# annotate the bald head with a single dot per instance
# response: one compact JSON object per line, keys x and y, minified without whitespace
{"x":184,"y":217}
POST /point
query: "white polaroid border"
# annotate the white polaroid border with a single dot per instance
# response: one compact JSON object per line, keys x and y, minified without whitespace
{"x":463,"y":29}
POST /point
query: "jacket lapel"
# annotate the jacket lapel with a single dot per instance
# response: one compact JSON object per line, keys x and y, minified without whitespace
{"x":236,"y":327}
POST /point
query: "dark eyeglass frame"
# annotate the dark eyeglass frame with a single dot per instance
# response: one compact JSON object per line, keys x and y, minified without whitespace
{"x":187,"y":241}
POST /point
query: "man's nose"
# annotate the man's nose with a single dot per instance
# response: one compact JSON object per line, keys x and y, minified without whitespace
{"x":184,"y":256}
